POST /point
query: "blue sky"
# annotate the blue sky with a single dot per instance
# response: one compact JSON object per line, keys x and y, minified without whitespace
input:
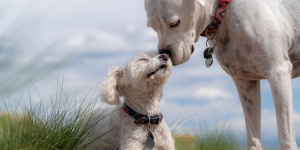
{"x":79,"y":40}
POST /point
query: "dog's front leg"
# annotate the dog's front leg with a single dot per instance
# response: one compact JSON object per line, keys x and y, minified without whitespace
{"x":281,"y":85}
{"x":249,"y":93}
{"x":132,"y":137}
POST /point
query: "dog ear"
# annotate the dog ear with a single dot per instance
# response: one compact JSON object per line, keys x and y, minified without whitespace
{"x":110,"y":92}
{"x":202,"y":2}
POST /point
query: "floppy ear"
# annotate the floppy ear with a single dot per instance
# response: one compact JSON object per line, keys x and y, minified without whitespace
{"x":202,"y":2}
{"x":110,"y":93}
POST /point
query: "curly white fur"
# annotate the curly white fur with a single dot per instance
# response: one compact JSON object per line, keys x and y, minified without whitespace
{"x":141,"y":84}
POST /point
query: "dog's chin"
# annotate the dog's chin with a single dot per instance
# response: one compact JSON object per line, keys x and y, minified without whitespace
{"x":176,"y":61}
{"x":180,"y":57}
{"x":159,"y":71}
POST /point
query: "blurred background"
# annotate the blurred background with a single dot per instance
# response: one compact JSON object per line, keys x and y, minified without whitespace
{"x":44,"y":44}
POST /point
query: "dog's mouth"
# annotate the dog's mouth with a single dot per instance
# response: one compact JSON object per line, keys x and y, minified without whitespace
{"x":163,"y":66}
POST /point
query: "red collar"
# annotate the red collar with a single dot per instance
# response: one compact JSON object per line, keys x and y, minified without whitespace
{"x":213,"y":26}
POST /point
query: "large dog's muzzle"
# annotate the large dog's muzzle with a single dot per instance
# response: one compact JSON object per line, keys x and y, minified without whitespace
{"x":168,"y":51}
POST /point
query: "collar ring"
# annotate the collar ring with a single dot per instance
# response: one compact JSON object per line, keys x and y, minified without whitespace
{"x":149,"y":120}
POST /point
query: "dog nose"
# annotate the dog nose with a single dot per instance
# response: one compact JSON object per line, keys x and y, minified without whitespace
{"x":164,"y":51}
{"x":164,"y":56}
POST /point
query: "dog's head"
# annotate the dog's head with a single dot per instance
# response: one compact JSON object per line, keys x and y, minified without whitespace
{"x":144,"y":73}
{"x":178,"y":24}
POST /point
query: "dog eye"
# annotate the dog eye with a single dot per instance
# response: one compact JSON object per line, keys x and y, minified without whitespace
{"x":174,"y":24}
{"x":144,"y":59}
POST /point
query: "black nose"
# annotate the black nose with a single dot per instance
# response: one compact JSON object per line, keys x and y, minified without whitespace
{"x":164,"y":56}
{"x":192,"y":49}
{"x":164,"y":51}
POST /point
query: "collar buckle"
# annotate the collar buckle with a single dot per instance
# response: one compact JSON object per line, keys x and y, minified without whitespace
{"x":141,"y":118}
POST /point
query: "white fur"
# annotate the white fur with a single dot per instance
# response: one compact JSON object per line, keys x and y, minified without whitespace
{"x":202,"y":2}
{"x":110,"y":94}
{"x":142,"y":94}
{"x":256,"y":40}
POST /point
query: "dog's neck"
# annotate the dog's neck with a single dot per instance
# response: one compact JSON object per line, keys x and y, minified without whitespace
{"x":207,"y":15}
{"x":214,"y":6}
{"x":211,"y":9}
{"x":147,"y":103}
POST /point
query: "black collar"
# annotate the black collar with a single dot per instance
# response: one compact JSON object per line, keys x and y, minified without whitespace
{"x":141,"y":118}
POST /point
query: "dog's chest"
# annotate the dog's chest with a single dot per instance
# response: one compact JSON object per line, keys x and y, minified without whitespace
{"x":249,"y":46}
{"x":238,"y":63}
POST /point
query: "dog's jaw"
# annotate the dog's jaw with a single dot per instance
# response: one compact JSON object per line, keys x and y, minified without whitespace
{"x":162,"y":67}
{"x":180,"y":56}
{"x":159,"y":70}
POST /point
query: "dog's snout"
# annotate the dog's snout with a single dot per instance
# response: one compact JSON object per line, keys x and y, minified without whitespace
{"x":164,"y":56}
{"x":164,"y":51}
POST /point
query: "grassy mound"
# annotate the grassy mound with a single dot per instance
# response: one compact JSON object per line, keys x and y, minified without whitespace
{"x":65,"y":123}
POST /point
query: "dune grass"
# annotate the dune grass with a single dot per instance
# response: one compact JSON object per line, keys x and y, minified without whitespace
{"x":63,"y":123}
{"x":220,"y":136}
{"x":217,"y":137}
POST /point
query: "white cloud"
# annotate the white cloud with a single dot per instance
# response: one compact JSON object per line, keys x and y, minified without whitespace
{"x":97,"y":40}
{"x":76,"y":42}
{"x":209,"y":110}
{"x":190,"y":117}
{"x":212,"y":93}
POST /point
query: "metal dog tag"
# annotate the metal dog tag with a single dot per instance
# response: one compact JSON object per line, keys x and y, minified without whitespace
{"x":207,"y":54}
{"x":149,"y":143}
{"x":208,"y":62}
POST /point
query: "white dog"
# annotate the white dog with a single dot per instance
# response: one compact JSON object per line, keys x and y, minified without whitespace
{"x":257,"y":39}
{"x":138,"y":121}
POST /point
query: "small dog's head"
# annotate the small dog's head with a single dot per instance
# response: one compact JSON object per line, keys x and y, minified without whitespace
{"x":178,"y":24}
{"x":144,"y":73}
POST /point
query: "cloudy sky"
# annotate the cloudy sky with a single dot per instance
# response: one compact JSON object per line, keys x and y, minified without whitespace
{"x":77,"y":41}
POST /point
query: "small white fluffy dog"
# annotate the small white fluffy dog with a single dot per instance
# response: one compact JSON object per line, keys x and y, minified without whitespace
{"x":140,"y":82}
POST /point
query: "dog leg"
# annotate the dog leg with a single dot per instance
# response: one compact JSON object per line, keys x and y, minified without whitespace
{"x":164,"y":137}
{"x":281,"y":86}
{"x":249,"y":93}
{"x":132,"y":136}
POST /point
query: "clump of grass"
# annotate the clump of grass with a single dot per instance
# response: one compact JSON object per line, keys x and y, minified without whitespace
{"x":216,"y":137}
{"x":65,"y":123}
{"x":185,"y":141}
{"x":182,"y":136}
{"x":221,"y":138}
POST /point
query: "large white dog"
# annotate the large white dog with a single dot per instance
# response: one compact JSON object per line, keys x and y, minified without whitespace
{"x":257,"y":39}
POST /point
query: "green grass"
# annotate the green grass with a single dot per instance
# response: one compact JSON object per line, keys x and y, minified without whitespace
{"x":219,"y":137}
{"x":64,"y":123}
